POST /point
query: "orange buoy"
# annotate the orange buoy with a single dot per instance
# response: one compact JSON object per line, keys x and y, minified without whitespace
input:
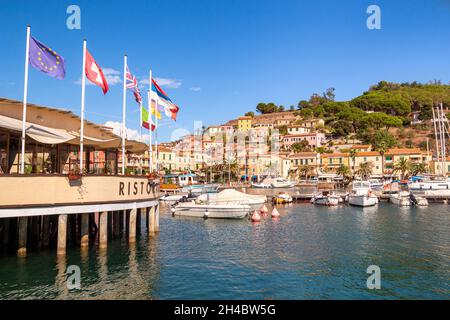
{"x":275,"y":213}
{"x":264,"y":209}
{"x":256,"y":217}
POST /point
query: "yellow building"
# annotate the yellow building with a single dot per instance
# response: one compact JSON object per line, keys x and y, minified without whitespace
{"x":414,"y":155}
{"x":372,"y":157}
{"x":330,"y":162}
{"x":244,"y":123}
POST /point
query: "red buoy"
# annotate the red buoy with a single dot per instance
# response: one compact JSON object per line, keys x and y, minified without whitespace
{"x":275,"y":213}
{"x":256,"y":217}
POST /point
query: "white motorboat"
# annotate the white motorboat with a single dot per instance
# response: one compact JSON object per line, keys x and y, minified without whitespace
{"x":282,"y":183}
{"x":401,"y":198}
{"x":172,"y":198}
{"x":429,"y":184}
{"x":217,"y":211}
{"x":418,"y":200}
{"x":261,"y":185}
{"x":376,"y":184}
{"x":274,"y":183}
{"x":232,"y":197}
{"x":361,"y":194}
{"x":325,"y":198}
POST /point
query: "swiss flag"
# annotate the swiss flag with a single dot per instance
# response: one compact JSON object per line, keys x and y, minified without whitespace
{"x":94,"y":73}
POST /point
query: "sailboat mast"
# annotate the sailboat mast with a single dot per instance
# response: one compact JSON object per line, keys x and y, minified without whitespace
{"x":436,"y":135}
{"x":444,"y":158}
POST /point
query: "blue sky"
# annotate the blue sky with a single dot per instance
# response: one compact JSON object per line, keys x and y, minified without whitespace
{"x":222,"y":57}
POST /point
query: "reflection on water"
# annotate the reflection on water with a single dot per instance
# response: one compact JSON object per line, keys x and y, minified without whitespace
{"x":311,"y":252}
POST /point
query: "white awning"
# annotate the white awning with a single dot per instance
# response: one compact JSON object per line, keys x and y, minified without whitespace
{"x":37,"y":132}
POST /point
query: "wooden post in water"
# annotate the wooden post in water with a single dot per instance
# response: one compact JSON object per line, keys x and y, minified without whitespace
{"x":62,"y":234}
{"x":103,"y":230}
{"x":6,"y":223}
{"x":151,"y":221}
{"x":46,"y":231}
{"x":132,"y":226}
{"x":157,"y":218}
{"x":22,"y":230}
{"x":116,"y":223}
{"x":84,"y":243}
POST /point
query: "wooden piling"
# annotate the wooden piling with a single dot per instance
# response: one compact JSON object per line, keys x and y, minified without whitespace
{"x":157,"y":218}
{"x":22,"y":230}
{"x":103,"y":226}
{"x":5,"y":238}
{"x":132,"y":226}
{"x":62,"y":234}
{"x":151,"y":221}
{"x":84,"y":243}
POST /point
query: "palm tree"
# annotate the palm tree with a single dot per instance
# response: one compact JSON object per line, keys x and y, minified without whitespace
{"x":418,"y":168}
{"x":382,"y":148}
{"x":345,"y":172}
{"x":352,"y":154}
{"x":403,"y":165}
{"x":365,"y":170}
{"x":304,"y":171}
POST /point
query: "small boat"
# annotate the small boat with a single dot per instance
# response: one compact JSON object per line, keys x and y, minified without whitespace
{"x":201,"y":188}
{"x":418,"y":200}
{"x":274,"y":183}
{"x":361,"y":194}
{"x":283,"y":197}
{"x":261,"y":185}
{"x":401,"y":198}
{"x":326,"y":198}
{"x":231,"y":197}
{"x":217,"y":211}
{"x":376,"y":184}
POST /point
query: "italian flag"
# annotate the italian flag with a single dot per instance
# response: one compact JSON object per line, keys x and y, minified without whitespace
{"x":146,"y":120}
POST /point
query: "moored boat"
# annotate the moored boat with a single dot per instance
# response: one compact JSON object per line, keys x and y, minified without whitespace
{"x":283,"y":197}
{"x":218,"y":211}
{"x":401,"y":198}
{"x":326,"y":198}
{"x":361,"y":195}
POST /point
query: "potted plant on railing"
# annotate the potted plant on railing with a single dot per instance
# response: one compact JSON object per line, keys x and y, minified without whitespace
{"x":74,"y":173}
{"x":153,"y":175}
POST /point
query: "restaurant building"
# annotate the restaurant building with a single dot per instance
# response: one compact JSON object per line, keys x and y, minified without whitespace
{"x":54,"y":194}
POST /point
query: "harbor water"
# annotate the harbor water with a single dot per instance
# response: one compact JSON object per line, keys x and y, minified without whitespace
{"x":310,"y":252}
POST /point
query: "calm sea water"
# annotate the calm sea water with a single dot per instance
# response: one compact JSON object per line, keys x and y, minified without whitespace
{"x":311,"y":252}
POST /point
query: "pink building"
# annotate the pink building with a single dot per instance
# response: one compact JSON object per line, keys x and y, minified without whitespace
{"x":316,"y":139}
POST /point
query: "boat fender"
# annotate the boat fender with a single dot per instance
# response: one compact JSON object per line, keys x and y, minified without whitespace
{"x":205,"y":216}
{"x":172,"y":209}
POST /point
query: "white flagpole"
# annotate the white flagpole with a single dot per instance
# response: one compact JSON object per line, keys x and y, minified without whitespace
{"x":124,"y":109}
{"x":149,"y":97}
{"x":83,"y":86}
{"x":25,"y":95}
{"x":156,"y":131}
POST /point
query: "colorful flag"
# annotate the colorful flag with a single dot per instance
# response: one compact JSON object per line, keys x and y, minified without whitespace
{"x":94,"y":73}
{"x":155,"y":111}
{"x":146,"y":121}
{"x":46,"y":59}
{"x":170,"y":109}
{"x":132,"y":84}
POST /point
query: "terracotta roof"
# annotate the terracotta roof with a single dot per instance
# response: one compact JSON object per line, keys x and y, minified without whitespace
{"x":368,"y":154}
{"x":360,"y":146}
{"x":303,"y":154}
{"x":400,"y":151}
{"x":334,"y":155}
{"x":245,"y":118}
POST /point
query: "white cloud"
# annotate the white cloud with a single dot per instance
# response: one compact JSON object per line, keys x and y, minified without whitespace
{"x":131,"y":133}
{"x":195,"y":89}
{"x":163,"y":82}
{"x":112,"y":77}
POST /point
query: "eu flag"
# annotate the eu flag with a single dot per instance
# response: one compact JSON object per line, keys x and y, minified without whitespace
{"x":46,"y":59}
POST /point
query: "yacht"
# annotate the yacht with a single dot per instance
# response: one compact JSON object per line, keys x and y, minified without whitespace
{"x":376,"y":184}
{"x":361,"y":194}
